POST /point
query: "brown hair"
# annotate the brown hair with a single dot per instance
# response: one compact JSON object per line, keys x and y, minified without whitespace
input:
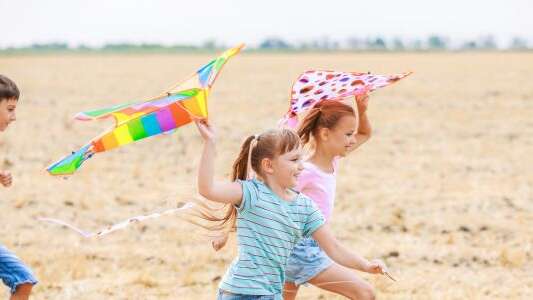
{"x":325,"y":114}
{"x":269,"y":144}
{"x":8,"y":89}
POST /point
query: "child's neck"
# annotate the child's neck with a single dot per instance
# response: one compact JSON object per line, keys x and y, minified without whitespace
{"x":282,"y":192}
{"x":323,"y":159}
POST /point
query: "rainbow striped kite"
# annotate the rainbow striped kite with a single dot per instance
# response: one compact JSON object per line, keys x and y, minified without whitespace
{"x":136,"y":121}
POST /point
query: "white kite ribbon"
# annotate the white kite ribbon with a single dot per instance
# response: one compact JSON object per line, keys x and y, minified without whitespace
{"x":121,"y":225}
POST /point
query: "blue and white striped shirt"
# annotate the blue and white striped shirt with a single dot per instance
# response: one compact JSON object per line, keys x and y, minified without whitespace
{"x":268,"y":228}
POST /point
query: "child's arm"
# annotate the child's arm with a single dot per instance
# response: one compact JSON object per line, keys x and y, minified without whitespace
{"x":364,"y":130}
{"x":342,"y":255}
{"x":218,"y":191}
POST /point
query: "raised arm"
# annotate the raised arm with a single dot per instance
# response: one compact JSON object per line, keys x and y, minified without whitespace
{"x":342,"y":255}
{"x":218,"y":191}
{"x":364,"y":131}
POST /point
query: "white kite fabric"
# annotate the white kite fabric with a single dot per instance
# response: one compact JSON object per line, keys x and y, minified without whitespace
{"x":121,"y":225}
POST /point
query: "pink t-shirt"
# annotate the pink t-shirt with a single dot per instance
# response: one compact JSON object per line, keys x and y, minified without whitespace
{"x":319,"y":186}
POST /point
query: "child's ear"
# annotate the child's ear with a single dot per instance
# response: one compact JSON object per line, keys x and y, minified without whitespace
{"x":323,"y":133}
{"x":266,"y":166}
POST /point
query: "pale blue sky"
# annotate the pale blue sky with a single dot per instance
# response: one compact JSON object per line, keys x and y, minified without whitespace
{"x":229,"y":21}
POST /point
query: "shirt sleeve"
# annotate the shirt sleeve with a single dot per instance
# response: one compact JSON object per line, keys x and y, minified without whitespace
{"x":314,"y":220}
{"x":249,"y":195}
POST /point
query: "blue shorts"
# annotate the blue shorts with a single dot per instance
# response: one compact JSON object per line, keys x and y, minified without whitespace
{"x":13,"y":271}
{"x":306,"y":261}
{"x":223,"y":295}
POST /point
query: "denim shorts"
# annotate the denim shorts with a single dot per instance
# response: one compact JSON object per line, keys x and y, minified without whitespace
{"x":224,"y":295}
{"x":306,"y":261}
{"x":13,"y":271}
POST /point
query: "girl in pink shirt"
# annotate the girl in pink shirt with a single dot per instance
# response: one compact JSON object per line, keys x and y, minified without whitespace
{"x":330,"y":127}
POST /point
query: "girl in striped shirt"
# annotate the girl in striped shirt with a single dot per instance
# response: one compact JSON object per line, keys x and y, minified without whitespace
{"x":270,"y":218}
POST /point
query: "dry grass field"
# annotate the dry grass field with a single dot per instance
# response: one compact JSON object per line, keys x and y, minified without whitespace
{"x":443,"y":192}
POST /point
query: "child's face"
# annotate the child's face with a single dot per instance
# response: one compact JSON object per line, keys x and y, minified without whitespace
{"x":287,"y":167}
{"x":341,"y":138}
{"x":7,"y":112}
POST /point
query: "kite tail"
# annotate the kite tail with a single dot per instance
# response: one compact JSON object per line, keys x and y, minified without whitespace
{"x":70,"y":163}
{"x":120,"y":225}
{"x":62,"y":223}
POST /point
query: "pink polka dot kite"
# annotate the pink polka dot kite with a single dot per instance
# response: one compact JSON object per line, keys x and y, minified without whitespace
{"x":314,"y":86}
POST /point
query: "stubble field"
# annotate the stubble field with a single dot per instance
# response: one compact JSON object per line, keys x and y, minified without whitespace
{"x":443,"y":191}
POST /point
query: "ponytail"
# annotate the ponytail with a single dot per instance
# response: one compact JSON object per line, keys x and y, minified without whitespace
{"x":241,"y":164}
{"x":309,"y":124}
{"x":226,"y":224}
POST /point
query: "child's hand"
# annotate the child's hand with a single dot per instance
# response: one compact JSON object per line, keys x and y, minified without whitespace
{"x":206,"y":131}
{"x":376,"y":266}
{"x":362,"y":103}
{"x":6,"y":179}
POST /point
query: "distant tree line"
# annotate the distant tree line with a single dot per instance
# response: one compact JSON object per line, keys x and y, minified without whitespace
{"x":433,"y":42}
{"x":376,"y":43}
